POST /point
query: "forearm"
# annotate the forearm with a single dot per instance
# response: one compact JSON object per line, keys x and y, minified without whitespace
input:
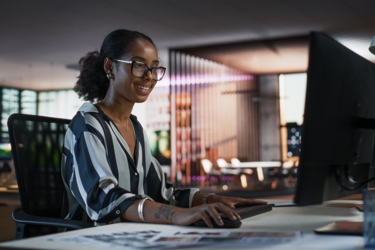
{"x":159,"y":213}
{"x":153,"y":212}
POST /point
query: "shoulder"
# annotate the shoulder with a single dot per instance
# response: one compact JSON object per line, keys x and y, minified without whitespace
{"x":84,"y":113}
{"x":88,"y":107}
{"x":85,"y":119}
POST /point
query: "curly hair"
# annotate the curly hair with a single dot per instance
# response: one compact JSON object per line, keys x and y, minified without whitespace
{"x":92,"y":83}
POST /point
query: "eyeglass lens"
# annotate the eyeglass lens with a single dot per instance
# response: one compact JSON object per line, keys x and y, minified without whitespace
{"x":140,"y":69}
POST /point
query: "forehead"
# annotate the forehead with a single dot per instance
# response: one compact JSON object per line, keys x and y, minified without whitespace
{"x":142,"y":48}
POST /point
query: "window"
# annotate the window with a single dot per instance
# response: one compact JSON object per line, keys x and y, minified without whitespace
{"x":292,"y":103}
{"x":58,"y":103}
{"x":15,"y":101}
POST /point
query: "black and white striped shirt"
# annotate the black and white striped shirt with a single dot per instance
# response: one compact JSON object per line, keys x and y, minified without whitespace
{"x":101,"y":177}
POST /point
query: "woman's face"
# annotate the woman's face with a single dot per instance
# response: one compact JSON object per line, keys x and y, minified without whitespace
{"x":129,"y":87}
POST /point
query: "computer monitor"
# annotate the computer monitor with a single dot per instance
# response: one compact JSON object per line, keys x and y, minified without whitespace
{"x":337,"y":136}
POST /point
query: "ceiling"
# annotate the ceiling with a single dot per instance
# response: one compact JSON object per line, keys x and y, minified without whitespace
{"x":266,"y":56}
{"x":40,"y":38}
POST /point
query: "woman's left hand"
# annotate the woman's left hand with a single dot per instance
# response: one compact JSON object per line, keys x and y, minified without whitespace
{"x":234,"y":202}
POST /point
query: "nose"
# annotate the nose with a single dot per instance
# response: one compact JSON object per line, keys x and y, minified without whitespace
{"x":148,"y":74}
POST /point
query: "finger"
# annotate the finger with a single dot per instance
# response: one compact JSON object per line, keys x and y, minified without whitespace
{"x":207,"y":219}
{"x":232,"y":215}
{"x":234,"y":202}
{"x":213,"y":211}
{"x":228,"y":212}
{"x":232,"y":205}
{"x":259,"y":201}
{"x":230,"y":201}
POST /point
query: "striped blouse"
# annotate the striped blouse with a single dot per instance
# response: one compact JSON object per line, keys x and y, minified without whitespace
{"x":101,"y":177}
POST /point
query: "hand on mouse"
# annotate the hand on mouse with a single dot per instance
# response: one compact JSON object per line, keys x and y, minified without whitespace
{"x":209,"y":213}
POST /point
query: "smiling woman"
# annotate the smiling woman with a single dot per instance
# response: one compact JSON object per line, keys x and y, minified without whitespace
{"x":108,"y":168}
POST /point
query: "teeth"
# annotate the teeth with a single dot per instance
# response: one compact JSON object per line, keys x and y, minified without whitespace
{"x":142,"y":87}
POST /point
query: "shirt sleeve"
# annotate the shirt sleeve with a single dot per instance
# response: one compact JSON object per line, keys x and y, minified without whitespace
{"x":177,"y":197}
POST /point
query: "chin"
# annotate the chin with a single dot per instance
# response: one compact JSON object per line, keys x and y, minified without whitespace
{"x":141,"y":100}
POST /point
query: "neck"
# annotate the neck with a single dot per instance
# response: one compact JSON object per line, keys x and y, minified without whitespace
{"x":117,"y":110}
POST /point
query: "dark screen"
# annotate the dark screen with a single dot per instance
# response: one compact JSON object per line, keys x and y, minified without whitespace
{"x":340,"y":88}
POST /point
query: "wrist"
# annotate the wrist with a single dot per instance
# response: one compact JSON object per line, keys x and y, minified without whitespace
{"x":207,"y":197}
{"x":140,"y":209}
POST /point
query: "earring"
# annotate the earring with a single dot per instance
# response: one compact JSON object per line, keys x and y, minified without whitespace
{"x":110,"y":75}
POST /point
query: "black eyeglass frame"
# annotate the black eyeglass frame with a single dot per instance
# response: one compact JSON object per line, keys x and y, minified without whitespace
{"x":145,"y":72}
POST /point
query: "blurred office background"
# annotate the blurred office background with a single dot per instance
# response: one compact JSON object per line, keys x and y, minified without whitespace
{"x":234,"y":88}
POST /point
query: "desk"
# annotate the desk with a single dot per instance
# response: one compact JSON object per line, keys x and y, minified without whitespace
{"x":259,"y":165}
{"x":303,"y":219}
{"x":9,"y":200}
{"x":9,"y":197}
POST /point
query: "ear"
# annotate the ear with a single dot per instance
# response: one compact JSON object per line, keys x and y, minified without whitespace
{"x":107,"y":65}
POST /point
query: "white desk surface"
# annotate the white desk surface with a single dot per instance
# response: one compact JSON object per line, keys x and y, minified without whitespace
{"x":303,"y":219}
{"x":256,"y":164}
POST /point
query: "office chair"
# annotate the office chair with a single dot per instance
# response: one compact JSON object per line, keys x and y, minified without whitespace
{"x":226,"y":168}
{"x":210,"y":171}
{"x":36,"y":143}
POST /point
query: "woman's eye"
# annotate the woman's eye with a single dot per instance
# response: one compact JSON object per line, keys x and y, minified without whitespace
{"x":138,"y":65}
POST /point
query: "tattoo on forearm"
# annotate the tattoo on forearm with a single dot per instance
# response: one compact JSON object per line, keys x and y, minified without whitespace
{"x":166,"y":211}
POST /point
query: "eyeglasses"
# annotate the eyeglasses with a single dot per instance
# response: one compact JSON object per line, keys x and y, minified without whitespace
{"x":140,"y":69}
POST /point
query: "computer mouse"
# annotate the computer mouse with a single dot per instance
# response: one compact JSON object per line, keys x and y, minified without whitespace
{"x":227,"y":223}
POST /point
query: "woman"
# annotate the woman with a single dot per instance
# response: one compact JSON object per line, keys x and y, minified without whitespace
{"x":108,"y":170}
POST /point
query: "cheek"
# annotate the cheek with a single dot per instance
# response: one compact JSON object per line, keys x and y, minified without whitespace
{"x":126,"y":77}
{"x":122,"y":74}
{"x":123,"y":80}
{"x":122,"y":85}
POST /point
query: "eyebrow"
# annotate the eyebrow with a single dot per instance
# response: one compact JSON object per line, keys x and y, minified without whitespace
{"x":141,"y":58}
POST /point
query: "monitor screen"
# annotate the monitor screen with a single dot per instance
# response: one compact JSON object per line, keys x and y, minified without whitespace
{"x":5,"y":150}
{"x":336,"y":152}
{"x":160,"y":145}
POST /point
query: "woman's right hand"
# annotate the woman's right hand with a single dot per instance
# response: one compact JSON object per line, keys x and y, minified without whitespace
{"x":207,"y":213}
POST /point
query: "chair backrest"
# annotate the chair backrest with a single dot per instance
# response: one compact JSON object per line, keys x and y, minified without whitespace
{"x":207,"y":165}
{"x":287,"y":164}
{"x":235,"y":162}
{"x":36,"y":143}
{"x":222,"y":163}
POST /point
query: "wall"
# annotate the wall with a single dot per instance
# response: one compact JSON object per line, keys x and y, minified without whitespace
{"x":212,"y":115}
{"x":269,"y":120}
